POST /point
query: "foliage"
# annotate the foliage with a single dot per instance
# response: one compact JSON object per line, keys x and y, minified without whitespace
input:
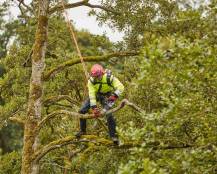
{"x":7,"y":28}
{"x":142,"y":19}
{"x":10,"y":163}
{"x":10,"y":136}
{"x":174,"y":80}
{"x":178,"y":91}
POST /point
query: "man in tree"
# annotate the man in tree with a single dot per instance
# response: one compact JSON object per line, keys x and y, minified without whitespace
{"x":105,"y":88}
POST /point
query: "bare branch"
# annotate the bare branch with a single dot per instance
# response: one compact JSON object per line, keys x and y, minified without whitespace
{"x":73,"y":61}
{"x":122,"y":104}
{"x":86,"y":116}
{"x":27,"y":8}
{"x":59,"y":7}
{"x":63,"y":113}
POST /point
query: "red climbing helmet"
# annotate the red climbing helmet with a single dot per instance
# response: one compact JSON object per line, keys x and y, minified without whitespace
{"x":97,"y":71}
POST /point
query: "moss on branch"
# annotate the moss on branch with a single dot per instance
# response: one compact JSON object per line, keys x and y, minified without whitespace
{"x":74,"y":61}
{"x":66,"y":141}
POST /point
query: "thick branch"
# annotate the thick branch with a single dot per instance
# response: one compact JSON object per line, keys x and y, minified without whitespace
{"x":66,"y":141}
{"x":87,"y":116}
{"x":97,"y":140}
{"x":88,"y":59}
{"x":59,"y":7}
{"x":154,"y":147}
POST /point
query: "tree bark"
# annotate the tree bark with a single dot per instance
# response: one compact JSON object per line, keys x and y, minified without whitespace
{"x":36,"y":90}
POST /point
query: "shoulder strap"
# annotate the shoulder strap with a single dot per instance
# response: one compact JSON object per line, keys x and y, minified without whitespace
{"x":109,"y":77}
{"x":94,"y":83}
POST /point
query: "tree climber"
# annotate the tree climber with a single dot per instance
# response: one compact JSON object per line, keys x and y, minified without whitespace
{"x":104,"y":88}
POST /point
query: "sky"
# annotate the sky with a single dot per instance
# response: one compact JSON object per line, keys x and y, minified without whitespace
{"x":81,"y":20}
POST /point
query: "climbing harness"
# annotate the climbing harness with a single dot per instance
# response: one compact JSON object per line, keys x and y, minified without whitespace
{"x":109,"y":80}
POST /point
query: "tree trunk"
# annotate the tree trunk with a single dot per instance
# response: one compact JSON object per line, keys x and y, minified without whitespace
{"x":35,"y":165}
{"x":36,"y":90}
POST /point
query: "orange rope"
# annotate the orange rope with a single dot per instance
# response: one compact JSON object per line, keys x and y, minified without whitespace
{"x":73,"y":37}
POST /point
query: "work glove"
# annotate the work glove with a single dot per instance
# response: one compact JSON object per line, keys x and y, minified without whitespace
{"x":113,"y":98}
{"x":96,"y":111}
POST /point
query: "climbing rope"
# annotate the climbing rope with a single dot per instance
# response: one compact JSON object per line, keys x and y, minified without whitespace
{"x":73,"y":37}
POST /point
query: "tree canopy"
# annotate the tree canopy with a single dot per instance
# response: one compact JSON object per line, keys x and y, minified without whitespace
{"x":166,"y":61}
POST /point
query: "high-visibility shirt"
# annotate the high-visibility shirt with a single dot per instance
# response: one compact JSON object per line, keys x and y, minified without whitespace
{"x":116,"y":87}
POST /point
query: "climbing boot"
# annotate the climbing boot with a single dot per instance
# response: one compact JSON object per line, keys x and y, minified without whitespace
{"x":79,"y":134}
{"x":115,"y":140}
